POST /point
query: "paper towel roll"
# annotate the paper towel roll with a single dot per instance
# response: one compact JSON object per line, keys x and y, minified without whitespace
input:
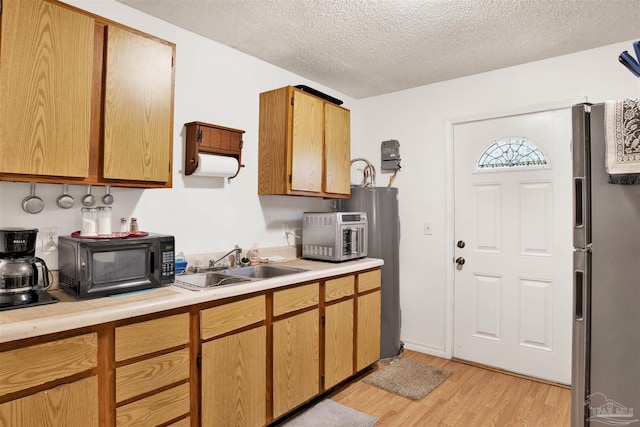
{"x":217,"y":166}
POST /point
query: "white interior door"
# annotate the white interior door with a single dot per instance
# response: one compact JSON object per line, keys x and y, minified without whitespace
{"x":513,"y":292}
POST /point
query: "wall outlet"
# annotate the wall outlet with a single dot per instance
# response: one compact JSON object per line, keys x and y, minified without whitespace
{"x":49,"y":239}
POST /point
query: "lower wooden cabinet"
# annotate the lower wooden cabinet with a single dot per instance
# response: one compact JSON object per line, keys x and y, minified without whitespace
{"x":152,"y":371}
{"x":233,"y":373}
{"x":368,"y":343}
{"x":155,"y":409}
{"x":68,"y":405}
{"x":233,"y":378}
{"x":296,"y":358}
{"x":261,"y":356}
{"x":42,"y":384}
{"x":338,"y":342}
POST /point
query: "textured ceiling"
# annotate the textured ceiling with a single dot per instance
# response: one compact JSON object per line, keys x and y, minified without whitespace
{"x":370,"y":47}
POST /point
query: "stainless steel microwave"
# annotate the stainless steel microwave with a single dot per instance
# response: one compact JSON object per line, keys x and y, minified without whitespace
{"x":90,"y":268}
{"x":334,"y":236}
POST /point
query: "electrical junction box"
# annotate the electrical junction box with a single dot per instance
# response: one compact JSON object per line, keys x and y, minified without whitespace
{"x":390,"y":155}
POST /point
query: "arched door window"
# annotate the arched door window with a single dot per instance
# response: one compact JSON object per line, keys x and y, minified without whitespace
{"x":512,"y":152}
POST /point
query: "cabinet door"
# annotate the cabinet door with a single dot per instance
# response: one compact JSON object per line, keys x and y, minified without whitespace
{"x":234,"y":379}
{"x":69,"y":405}
{"x":45,"y":88}
{"x":337,"y":148}
{"x":138,"y":107}
{"x":368,"y":348}
{"x":306,"y":144}
{"x":296,"y":376}
{"x":338,"y":342}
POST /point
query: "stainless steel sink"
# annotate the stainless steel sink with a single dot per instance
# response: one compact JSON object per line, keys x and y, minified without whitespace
{"x":263,"y":271}
{"x":202,"y":281}
{"x":233,"y":276}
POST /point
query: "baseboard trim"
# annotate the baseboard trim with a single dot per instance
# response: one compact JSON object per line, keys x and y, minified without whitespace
{"x":438,"y":352}
{"x":513,"y":374}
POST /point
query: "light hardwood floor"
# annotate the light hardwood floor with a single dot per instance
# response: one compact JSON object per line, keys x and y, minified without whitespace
{"x":470,"y":397}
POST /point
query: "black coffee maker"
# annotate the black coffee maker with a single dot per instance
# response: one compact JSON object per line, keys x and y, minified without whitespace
{"x":24,"y":277}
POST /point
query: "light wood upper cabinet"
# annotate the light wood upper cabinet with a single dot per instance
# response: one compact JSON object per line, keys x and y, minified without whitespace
{"x":83,"y":100}
{"x":337,"y":149}
{"x":138,"y":107}
{"x":45,"y":89}
{"x":304,"y":145}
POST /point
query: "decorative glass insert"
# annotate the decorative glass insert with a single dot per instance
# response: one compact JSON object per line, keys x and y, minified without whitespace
{"x":512,"y":152}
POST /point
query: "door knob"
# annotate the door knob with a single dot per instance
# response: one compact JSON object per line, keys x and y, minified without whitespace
{"x":460,"y":260}
{"x":460,"y":244}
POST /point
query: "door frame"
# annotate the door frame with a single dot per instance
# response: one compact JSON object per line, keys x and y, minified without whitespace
{"x":450,"y":209}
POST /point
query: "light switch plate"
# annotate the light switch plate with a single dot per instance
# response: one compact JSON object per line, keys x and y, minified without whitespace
{"x":427,"y":227}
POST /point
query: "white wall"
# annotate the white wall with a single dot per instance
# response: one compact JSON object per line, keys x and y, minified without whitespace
{"x":416,"y":118}
{"x":213,"y":84}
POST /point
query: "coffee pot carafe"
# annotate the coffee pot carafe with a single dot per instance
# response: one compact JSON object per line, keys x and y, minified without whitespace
{"x":22,"y":275}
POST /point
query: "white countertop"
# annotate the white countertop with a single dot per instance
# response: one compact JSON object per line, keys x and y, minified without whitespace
{"x":69,"y":313}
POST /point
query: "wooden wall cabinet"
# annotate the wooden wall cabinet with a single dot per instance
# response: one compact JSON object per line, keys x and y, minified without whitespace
{"x":83,"y":100}
{"x":304,"y":145}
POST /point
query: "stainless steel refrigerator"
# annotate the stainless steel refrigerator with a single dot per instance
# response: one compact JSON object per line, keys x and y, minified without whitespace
{"x":381,"y":206}
{"x":606,"y":303}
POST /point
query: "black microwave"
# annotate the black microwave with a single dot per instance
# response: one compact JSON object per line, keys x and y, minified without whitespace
{"x":91,"y":267}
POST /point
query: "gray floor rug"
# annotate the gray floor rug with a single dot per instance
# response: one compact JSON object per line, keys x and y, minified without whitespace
{"x":406,"y":378}
{"x":328,"y":413}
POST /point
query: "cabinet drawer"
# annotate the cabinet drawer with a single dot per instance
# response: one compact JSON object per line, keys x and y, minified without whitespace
{"x":368,"y":281}
{"x":151,"y":374}
{"x":41,"y":363}
{"x":185,"y":422}
{"x":68,"y":405}
{"x":295,"y":299}
{"x":153,"y":335}
{"x":225,"y":318}
{"x":338,"y":288}
{"x":156,"y":409}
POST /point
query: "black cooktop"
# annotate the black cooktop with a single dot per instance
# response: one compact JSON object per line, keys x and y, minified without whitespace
{"x":25,"y":299}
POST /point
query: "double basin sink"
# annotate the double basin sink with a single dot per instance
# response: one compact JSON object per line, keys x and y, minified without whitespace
{"x":232,"y":276}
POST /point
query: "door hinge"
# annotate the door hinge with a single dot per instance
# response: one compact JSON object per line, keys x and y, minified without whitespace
{"x":322,"y":320}
{"x":290,"y":179}
{"x":199,"y":361}
{"x":292,"y":100}
{"x":322,"y":380}
{"x":199,"y":136}
{"x":0,"y":6}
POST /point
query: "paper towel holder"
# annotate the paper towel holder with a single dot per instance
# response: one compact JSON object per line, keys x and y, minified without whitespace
{"x":207,"y":138}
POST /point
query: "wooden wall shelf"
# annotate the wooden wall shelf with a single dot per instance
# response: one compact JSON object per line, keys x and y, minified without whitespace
{"x":207,"y":138}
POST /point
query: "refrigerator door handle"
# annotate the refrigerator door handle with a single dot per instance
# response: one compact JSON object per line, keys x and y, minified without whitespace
{"x":579,"y":292}
{"x":580,"y":337}
{"x":581,"y":173}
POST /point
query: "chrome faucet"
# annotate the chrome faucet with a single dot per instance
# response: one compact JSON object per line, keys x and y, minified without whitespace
{"x":236,"y":259}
